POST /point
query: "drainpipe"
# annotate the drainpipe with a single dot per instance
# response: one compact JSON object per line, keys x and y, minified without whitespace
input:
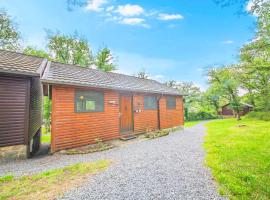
{"x":158,"y":109}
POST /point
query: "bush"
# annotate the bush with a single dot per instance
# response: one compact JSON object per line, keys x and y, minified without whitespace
{"x":259,"y":115}
{"x":158,"y":133}
{"x":200,"y":116}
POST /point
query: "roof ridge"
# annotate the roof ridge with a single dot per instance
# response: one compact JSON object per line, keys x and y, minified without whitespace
{"x":88,"y":68}
{"x":23,"y":54}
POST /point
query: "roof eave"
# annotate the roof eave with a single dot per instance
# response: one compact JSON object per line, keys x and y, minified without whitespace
{"x":16,"y":72}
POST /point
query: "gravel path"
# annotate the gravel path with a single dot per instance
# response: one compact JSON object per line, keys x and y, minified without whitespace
{"x":170,"y":167}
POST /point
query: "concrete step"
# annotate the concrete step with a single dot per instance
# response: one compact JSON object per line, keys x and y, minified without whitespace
{"x":128,"y":137}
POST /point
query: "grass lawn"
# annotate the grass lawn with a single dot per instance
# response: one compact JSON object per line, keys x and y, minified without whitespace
{"x":239,"y":155}
{"x":50,"y":184}
{"x":192,"y":123}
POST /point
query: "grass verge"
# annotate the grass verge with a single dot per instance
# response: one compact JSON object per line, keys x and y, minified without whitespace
{"x":49,"y":184}
{"x":239,"y":155}
{"x":45,"y":136}
{"x":191,"y":123}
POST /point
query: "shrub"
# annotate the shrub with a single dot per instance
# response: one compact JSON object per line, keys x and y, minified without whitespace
{"x":158,"y":133}
{"x":200,"y":116}
{"x":259,"y":115}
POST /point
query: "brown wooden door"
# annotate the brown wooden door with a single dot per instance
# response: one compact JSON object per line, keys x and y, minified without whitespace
{"x":126,"y":113}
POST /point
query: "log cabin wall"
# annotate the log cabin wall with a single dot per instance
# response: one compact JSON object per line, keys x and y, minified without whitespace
{"x":144,"y":120}
{"x":71,"y":129}
{"x":171,"y":117}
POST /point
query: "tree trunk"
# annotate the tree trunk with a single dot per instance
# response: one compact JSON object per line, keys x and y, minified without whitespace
{"x":238,"y":116}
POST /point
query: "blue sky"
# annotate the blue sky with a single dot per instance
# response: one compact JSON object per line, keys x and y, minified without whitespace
{"x":170,"y":39}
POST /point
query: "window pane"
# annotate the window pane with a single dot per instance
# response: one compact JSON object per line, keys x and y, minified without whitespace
{"x":89,"y":101}
{"x":79,"y":106}
{"x":171,"y":102}
{"x":90,"y":105}
{"x":150,"y":102}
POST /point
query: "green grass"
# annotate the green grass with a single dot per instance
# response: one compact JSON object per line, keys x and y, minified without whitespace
{"x":191,"y":123}
{"x":49,"y":184}
{"x":45,"y":137}
{"x":239,"y":155}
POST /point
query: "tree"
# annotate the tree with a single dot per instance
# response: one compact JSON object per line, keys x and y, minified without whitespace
{"x":32,"y":51}
{"x":255,"y":63}
{"x":9,"y":35}
{"x":225,"y":80}
{"x":171,"y":83}
{"x":142,"y":74}
{"x":214,"y":97}
{"x":252,"y":6}
{"x":70,"y":49}
{"x":193,"y":96}
{"x":104,"y":60}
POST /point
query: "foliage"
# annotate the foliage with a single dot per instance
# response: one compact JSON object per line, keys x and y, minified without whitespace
{"x":255,"y":63}
{"x":213,"y":96}
{"x":252,"y":73}
{"x":200,"y":116}
{"x":70,"y":49}
{"x":225,"y":81}
{"x":9,"y":35}
{"x":259,"y":116}
{"x":238,"y":154}
{"x":47,"y":103}
{"x":142,"y":74}
{"x":104,"y":60}
{"x":198,"y":105}
{"x":49,"y":184}
{"x":32,"y":51}
{"x":158,"y":133}
{"x":99,"y":146}
{"x":254,"y":5}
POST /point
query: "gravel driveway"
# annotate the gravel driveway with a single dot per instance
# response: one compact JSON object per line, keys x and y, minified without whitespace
{"x":170,"y":167}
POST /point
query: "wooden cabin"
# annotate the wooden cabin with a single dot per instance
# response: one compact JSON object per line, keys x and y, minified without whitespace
{"x":89,"y":104}
{"x":20,"y":104}
{"x":227,"y":111}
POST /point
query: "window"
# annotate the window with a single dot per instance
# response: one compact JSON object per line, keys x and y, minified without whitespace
{"x":89,"y":101}
{"x":150,"y":102}
{"x":171,"y":102}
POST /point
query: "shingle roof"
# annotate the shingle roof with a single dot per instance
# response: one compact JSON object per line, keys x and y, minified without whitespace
{"x":58,"y":73}
{"x":12,"y":62}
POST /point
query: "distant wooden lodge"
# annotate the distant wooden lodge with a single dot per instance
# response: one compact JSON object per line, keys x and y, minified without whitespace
{"x":227,"y":110}
{"x":87,"y":104}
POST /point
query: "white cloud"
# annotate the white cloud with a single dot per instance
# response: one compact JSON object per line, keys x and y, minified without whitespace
{"x":132,"y":21}
{"x":167,"y":17}
{"x":227,"y":42}
{"x":110,"y":8}
{"x":130,"y":10}
{"x":95,"y":5}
